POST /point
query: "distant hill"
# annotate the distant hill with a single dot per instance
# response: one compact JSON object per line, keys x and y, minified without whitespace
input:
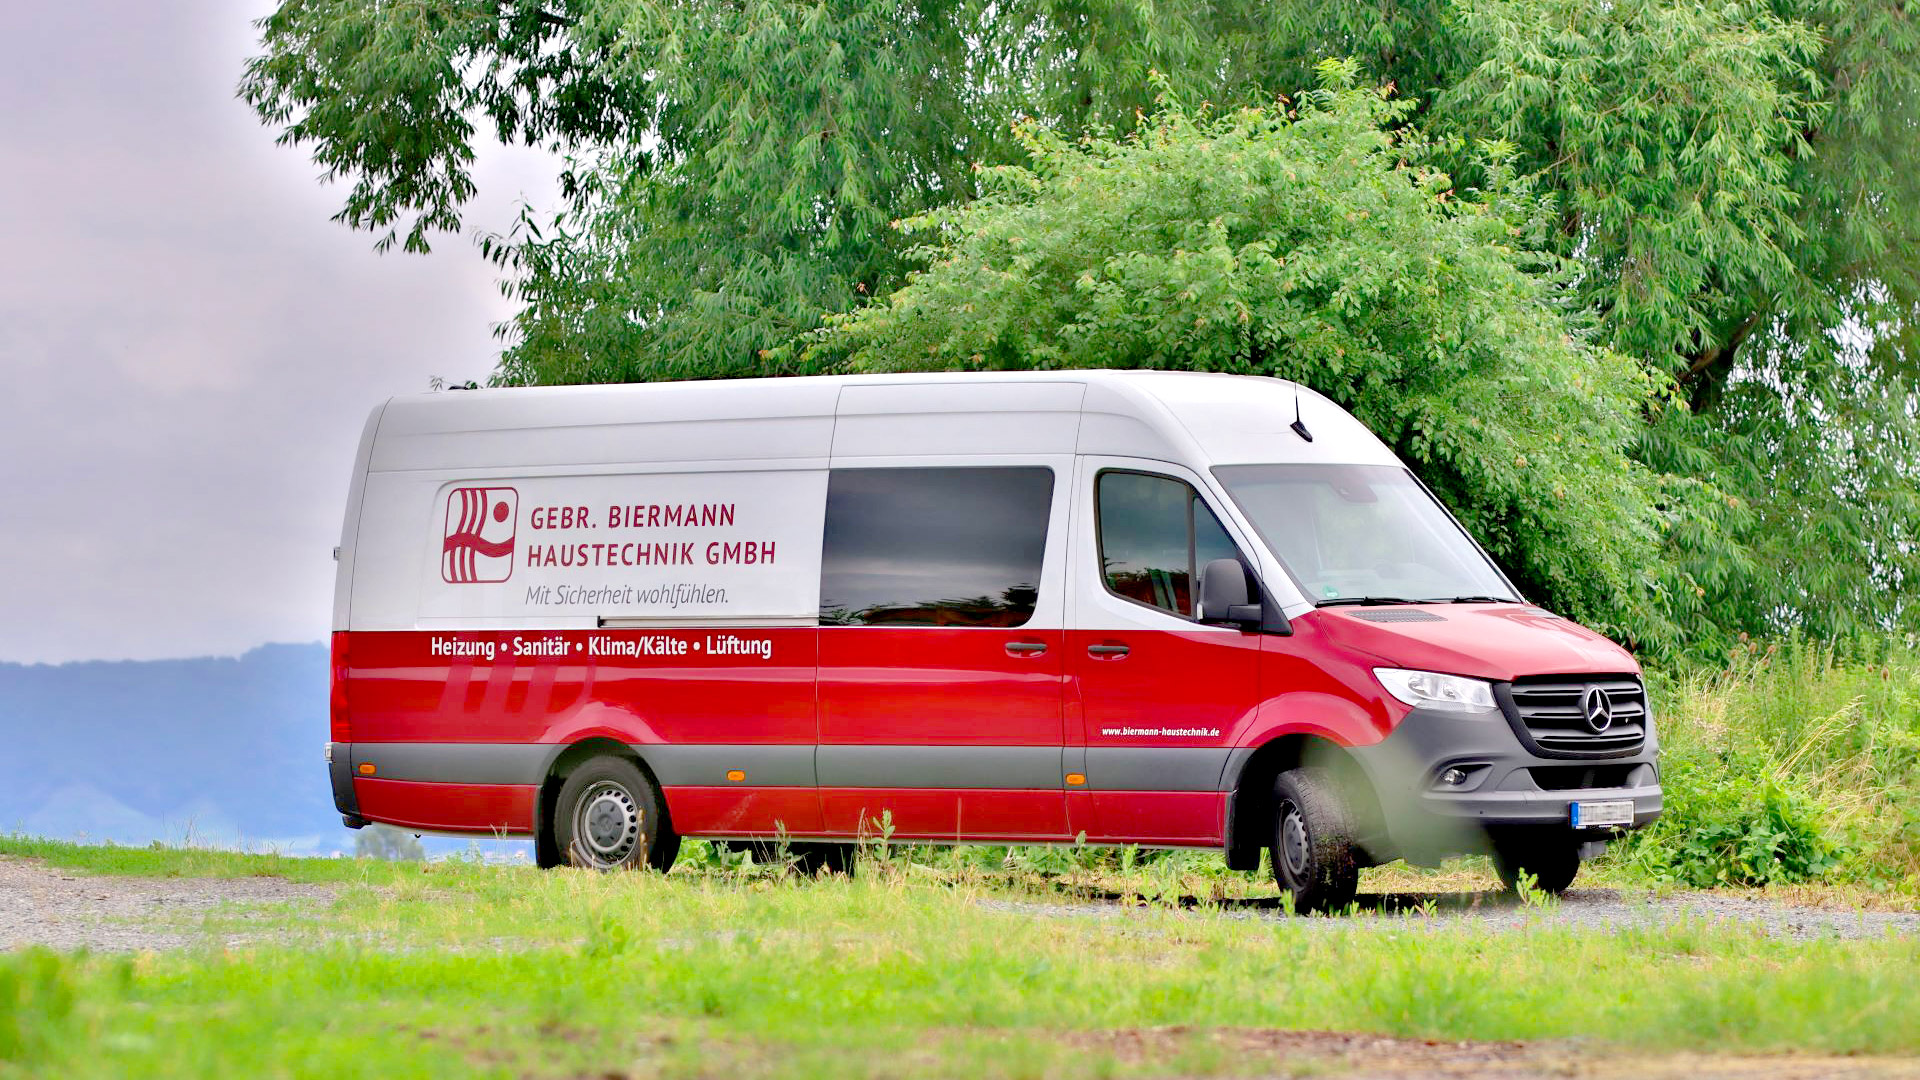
{"x":220,"y":751}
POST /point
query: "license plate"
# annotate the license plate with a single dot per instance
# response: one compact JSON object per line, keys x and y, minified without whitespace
{"x":1595,"y":815}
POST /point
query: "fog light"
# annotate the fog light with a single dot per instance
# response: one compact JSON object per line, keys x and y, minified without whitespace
{"x":1453,"y":777}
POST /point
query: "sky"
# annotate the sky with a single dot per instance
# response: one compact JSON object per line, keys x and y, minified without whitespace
{"x":188,"y":345}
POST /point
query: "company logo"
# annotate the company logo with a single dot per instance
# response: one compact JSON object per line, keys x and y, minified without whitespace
{"x":478,"y":548}
{"x":1597,"y":708}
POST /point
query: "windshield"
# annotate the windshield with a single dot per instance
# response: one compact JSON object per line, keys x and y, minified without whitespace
{"x":1349,"y":532}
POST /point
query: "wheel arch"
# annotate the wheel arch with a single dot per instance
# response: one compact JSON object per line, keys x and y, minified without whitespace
{"x":569,"y":758}
{"x":1250,"y":808}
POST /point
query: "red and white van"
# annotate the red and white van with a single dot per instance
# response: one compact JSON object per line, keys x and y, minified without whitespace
{"x":1152,"y":608}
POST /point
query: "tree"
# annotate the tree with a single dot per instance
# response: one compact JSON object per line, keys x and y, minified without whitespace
{"x":1729,"y":184}
{"x":1307,"y":243}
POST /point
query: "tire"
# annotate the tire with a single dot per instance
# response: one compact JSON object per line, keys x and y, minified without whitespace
{"x":815,"y":859}
{"x":809,"y":857}
{"x":1314,"y":856}
{"x":546,"y":853}
{"x":1553,"y":862}
{"x":609,"y":816}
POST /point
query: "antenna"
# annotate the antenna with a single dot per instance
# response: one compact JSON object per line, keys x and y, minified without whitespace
{"x":1299,"y":426}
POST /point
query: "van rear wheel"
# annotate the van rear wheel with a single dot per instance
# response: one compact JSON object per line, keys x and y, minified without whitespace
{"x":809,"y":858}
{"x":817,"y":859}
{"x":609,"y":816}
{"x":1314,"y":857}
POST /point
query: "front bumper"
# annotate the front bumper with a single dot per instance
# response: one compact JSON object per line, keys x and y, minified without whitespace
{"x":1502,"y":786}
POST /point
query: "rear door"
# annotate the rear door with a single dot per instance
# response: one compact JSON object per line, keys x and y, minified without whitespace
{"x":1160,"y":695}
{"x":941,"y":647}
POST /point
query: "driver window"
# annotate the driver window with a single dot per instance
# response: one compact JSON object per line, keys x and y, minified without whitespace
{"x":1155,"y":534}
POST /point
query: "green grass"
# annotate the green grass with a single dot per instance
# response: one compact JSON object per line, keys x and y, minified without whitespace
{"x":430,"y":969}
{"x":1790,"y":763}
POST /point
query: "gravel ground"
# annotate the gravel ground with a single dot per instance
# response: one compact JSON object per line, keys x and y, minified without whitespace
{"x":43,"y":905}
{"x":1605,"y":909}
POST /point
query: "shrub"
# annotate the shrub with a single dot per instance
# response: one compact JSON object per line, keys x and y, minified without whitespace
{"x":1788,"y":763}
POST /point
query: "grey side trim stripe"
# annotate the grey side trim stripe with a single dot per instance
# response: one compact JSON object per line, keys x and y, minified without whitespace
{"x":1155,"y":768}
{"x":682,"y":764}
{"x":1002,"y":767}
{"x":457,"y":763}
{"x":1108,"y":768}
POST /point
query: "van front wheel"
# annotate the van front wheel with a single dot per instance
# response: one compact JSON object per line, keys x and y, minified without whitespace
{"x":1314,"y":859}
{"x":1551,"y":861}
{"x":609,"y":817}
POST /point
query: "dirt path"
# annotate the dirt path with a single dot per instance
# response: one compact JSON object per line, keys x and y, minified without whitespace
{"x":44,"y":905}
{"x":1261,"y":1052}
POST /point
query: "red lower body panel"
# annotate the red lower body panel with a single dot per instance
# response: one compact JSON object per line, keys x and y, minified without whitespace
{"x":466,"y":808}
{"x":946,"y":813}
{"x":736,"y":811}
{"x":1158,"y":817}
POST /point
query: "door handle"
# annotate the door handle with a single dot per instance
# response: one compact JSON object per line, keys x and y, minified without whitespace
{"x":1026,"y":648}
{"x":1113,"y":652}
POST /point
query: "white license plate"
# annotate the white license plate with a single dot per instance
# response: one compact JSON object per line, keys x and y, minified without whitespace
{"x":1595,"y":815}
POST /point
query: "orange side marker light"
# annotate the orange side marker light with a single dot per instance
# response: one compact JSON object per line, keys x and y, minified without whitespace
{"x":366,"y":768}
{"x":736,"y":775}
{"x":1075,"y":779}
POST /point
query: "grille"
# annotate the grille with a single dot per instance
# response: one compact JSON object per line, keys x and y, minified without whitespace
{"x":1550,"y":713}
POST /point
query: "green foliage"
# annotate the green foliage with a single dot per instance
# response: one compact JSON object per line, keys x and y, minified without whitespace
{"x":1730,"y":831}
{"x":36,"y":1006}
{"x":1307,"y":242}
{"x":1739,"y":229}
{"x":1790,"y":764}
{"x":1722,"y":192}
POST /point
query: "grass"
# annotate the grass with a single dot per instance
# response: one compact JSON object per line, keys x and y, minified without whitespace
{"x":428,"y":969}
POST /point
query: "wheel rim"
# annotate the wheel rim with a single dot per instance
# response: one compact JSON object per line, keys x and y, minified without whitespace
{"x":606,"y":824}
{"x":1294,"y":850}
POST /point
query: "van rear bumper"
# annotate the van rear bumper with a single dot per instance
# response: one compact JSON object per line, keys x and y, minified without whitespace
{"x":340,"y":772}
{"x":1496,"y":784}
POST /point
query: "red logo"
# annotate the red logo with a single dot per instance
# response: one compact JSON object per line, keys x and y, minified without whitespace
{"x":479,"y":541}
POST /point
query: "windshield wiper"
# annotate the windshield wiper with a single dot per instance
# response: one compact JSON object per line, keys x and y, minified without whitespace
{"x":1472,"y":600}
{"x":1368,"y":601}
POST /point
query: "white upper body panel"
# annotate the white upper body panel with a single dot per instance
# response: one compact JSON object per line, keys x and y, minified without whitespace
{"x":444,"y":479}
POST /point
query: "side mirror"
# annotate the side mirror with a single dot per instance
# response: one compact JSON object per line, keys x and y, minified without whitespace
{"x":1223,"y":594}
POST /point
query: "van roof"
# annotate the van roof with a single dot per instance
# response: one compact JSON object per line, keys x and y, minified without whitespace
{"x":1199,"y":418}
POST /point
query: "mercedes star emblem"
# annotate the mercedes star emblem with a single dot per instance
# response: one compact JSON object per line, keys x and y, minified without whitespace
{"x":1597,"y":708}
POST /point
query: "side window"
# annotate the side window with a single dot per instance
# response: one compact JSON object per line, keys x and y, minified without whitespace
{"x":1155,"y":535}
{"x":934,"y":547}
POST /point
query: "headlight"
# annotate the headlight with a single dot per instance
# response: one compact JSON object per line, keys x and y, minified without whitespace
{"x":1432,"y":690}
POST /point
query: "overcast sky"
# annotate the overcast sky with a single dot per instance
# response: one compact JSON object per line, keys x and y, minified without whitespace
{"x":189,"y":345}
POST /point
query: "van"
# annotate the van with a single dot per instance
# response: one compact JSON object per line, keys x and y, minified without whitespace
{"x":1166,"y":609}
